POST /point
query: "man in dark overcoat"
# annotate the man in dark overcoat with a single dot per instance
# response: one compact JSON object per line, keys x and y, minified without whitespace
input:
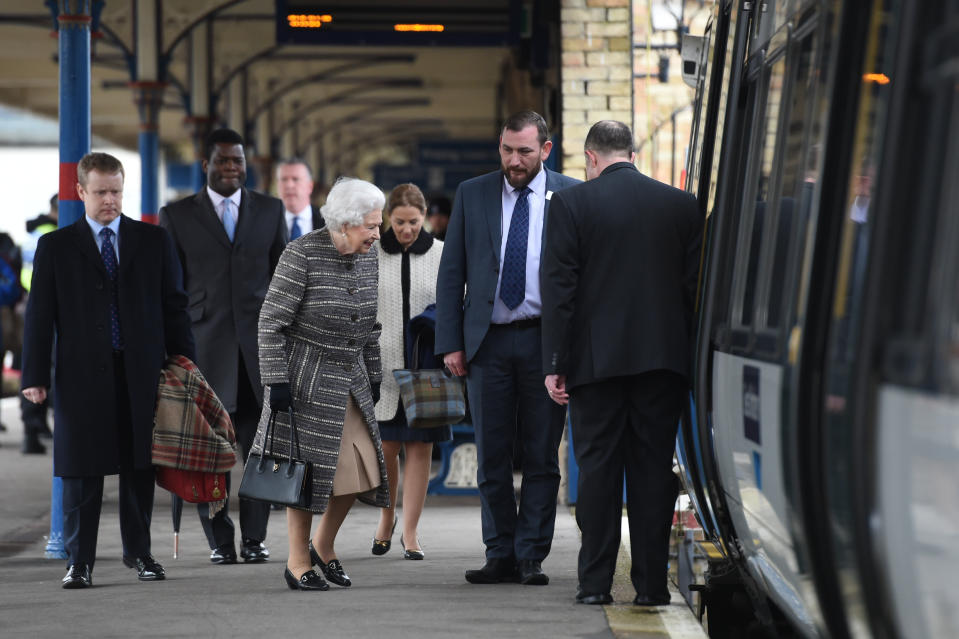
{"x":488,"y":325}
{"x":619,"y":280}
{"x":229,"y":240}
{"x":110,"y":289}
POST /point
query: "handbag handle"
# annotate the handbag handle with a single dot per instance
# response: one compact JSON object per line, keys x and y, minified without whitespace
{"x":271,"y":433}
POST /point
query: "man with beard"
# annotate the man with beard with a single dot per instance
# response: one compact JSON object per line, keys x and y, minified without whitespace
{"x":491,"y":335}
{"x":229,"y":240}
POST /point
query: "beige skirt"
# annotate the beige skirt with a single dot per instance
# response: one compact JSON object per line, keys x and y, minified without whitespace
{"x":357,"y":469}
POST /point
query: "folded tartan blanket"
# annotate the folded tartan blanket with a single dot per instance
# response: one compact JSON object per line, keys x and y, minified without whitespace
{"x":191,"y":430}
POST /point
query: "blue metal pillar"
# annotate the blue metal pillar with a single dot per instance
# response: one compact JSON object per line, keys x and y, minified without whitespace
{"x":73,"y":21}
{"x":148,"y":88}
{"x":149,"y":96}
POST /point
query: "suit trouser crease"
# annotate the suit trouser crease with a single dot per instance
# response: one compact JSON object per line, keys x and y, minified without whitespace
{"x":508,"y":399}
{"x":626,"y":425}
{"x":220,"y":530}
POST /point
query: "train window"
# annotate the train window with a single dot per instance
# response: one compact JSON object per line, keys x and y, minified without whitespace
{"x":924,"y":352}
{"x":756,"y":202}
{"x":730,"y":47}
{"x":797,"y":182}
{"x":699,"y":117}
{"x":772,"y":14}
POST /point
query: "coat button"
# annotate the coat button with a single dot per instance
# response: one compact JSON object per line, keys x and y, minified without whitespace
{"x":354,"y":317}
{"x":347,"y":367}
{"x":351,"y":342}
{"x":352,"y":290}
{"x":349,"y":267}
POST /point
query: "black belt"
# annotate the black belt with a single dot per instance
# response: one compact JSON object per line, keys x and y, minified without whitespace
{"x":530,"y":322}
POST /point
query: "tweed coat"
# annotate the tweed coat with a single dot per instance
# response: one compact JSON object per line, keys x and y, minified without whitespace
{"x":318,"y":333}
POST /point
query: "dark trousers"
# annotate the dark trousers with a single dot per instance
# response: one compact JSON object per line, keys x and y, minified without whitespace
{"x":253,"y":514}
{"x":507,"y":397}
{"x":82,"y":500}
{"x":83,"y":496}
{"x":626,"y":425}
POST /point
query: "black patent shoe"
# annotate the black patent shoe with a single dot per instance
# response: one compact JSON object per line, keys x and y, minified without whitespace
{"x":307,"y":581}
{"x":411,"y":553}
{"x":254,"y":552}
{"x":223,"y":555}
{"x":333,"y":571}
{"x":147,"y":568}
{"x":382,"y":546}
{"x":78,"y":576}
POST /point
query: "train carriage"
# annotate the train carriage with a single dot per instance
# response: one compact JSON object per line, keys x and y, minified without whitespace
{"x":822,"y":448}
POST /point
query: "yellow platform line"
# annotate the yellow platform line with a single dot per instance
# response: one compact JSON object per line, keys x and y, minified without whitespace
{"x":628,"y":621}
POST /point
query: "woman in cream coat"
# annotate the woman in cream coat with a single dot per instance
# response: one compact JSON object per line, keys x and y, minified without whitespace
{"x":409,"y":261}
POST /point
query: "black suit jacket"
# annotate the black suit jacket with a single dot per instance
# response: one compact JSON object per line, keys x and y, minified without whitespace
{"x":70,"y":296}
{"x":618,"y":277}
{"x":225,"y":282}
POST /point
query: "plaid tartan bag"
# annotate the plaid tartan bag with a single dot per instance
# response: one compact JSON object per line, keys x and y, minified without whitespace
{"x":431,"y":397}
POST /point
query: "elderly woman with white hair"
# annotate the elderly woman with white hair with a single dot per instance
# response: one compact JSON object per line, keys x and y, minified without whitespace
{"x":319,"y":353}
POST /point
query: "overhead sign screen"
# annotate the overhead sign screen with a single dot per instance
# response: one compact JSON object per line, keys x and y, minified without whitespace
{"x":389,"y":22}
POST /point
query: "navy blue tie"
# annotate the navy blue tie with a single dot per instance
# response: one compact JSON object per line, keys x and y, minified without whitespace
{"x":512,"y":288}
{"x":109,"y":255}
{"x":295,"y":230}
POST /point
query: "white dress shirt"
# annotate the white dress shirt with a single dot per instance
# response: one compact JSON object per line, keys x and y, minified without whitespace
{"x":217,"y":200}
{"x":305,"y":217}
{"x":531,"y":304}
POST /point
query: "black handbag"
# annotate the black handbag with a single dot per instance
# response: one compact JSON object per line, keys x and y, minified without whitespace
{"x":278,"y":480}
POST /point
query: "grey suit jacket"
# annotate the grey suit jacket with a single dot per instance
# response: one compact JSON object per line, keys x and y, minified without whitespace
{"x":226,"y":283}
{"x":469,"y":269}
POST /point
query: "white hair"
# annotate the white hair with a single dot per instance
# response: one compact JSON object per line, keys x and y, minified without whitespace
{"x":349,"y":201}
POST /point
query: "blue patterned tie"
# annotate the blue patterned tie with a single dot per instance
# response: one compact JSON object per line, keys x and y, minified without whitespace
{"x":512,"y":289}
{"x":229,"y":221}
{"x":109,"y":255}
{"x":295,"y":231}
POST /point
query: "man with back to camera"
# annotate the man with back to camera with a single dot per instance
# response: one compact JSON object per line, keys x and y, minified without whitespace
{"x":294,"y":180}
{"x":492,"y":336}
{"x":110,"y":288}
{"x":229,"y":240}
{"x":619,"y":280}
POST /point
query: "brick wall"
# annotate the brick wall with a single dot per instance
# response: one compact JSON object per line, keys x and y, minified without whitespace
{"x":596,"y":73}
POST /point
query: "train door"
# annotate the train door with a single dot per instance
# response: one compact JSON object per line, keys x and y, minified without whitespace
{"x":892,"y":379}
{"x":771,"y":171}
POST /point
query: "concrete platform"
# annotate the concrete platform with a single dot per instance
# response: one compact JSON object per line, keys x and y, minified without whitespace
{"x":391,"y":597}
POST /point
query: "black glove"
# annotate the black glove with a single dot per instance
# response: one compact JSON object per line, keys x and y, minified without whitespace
{"x":280,"y":398}
{"x":375,"y":391}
